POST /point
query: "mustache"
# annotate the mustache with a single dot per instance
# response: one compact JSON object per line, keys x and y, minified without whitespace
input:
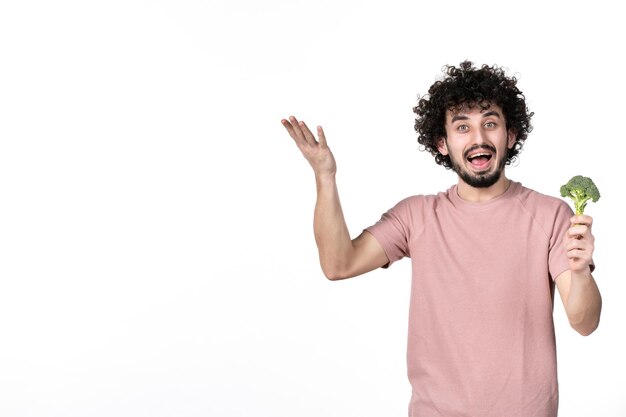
{"x":479,"y":147}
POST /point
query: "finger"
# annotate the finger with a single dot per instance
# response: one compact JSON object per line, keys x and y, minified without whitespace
{"x":298,"y":130}
{"x":578,"y":231}
{"x":575,"y":254}
{"x":582,"y":219}
{"x":307,"y":133}
{"x":289,"y":128}
{"x":577,"y":244}
{"x":321,"y":136}
{"x":578,"y":256}
{"x":297,"y":135}
{"x":579,"y":249}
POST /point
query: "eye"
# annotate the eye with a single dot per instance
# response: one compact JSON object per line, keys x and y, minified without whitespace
{"x":490,"y":124}
{"x":462,"y":128}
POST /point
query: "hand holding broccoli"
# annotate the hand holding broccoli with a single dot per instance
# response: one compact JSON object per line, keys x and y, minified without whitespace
{"x":580,"y":189}
{"x":578,"y":241}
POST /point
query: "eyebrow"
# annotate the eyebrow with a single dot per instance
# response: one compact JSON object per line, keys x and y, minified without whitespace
{"x":464,"y":117}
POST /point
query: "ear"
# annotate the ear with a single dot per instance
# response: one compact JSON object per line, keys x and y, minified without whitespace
{"x":512,"y":137}
{"x":442,"y":146}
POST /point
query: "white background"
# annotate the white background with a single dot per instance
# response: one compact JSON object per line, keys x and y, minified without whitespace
{"x":156,"y":246}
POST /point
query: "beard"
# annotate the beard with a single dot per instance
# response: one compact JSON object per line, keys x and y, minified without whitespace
{"x":480,"y":180}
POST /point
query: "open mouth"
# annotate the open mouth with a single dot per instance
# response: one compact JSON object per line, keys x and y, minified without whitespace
{"x":480,"y":158}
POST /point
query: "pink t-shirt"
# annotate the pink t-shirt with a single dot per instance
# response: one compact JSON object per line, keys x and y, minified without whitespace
{"x":481,"y":335}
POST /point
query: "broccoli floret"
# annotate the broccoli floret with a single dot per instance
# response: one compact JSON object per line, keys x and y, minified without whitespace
{"x":580,"y":189}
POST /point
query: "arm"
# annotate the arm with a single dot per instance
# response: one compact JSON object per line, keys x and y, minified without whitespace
{"x":340,"y":257}
{"x":577,"y":288}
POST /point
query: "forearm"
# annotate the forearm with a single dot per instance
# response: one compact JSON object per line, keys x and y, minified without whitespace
{"x":339,"y":256}
{"x":331,"y":232}
{"x":584,"y":303}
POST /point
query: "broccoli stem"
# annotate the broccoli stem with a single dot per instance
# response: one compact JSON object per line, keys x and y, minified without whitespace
{"x":580,"y":201}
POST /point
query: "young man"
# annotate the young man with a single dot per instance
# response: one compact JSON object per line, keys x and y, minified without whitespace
{"x":486,"y":255}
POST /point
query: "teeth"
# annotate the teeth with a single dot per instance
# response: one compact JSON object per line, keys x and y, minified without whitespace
{"x":476,"y":155}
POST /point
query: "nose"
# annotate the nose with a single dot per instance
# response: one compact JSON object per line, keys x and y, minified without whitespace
{"x":479,"y":137}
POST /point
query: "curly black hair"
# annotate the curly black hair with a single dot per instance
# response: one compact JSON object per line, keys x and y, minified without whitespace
{"x":468,"y":86}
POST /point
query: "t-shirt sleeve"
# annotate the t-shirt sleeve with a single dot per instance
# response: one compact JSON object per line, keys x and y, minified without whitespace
{"x":557,"y":258}
{"x":392,"y":231}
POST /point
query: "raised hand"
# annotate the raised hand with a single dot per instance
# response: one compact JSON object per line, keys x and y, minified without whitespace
{"x":317,"y":153}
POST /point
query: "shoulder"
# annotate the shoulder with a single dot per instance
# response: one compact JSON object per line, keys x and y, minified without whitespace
{"x":552,"y":214}
{"x":421,"y":203}
{"x":541,"y":204}
{"x":410,"y":211}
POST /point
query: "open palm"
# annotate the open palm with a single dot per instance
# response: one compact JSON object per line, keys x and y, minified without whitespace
{"x":316,"y":152}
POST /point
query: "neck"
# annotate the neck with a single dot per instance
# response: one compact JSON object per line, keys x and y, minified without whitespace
{"x":480,"y":195}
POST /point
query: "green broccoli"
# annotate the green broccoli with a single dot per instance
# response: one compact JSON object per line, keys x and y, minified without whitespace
{"x":580,"y":189}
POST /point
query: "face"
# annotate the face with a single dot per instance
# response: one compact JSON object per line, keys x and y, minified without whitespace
{"x":477,"y":142}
